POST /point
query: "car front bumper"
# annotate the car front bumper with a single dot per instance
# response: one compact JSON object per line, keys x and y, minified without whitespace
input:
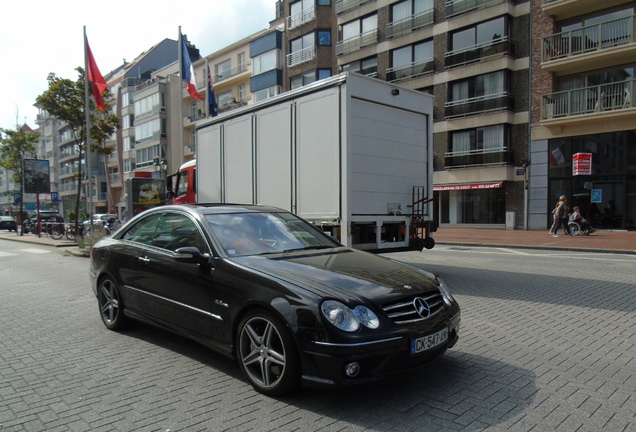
{"x":339,"y":365}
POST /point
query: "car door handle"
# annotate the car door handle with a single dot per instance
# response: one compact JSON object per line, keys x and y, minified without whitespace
{"x":144,"y":259}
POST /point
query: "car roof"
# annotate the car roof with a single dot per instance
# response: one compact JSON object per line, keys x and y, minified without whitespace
{"x":218,"y":208}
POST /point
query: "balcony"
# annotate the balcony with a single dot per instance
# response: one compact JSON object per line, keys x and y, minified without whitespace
{"x":345,"y":5}
{"x":412,"y":70}
{"x":479,"y":157}
{"x":479,"y":105}
{"x":301,"y":18}
{"x":480,"y":52}
{"x":227,"y":73}
{"x":301,"y":56}
{"x":614,"y":99}
{"x":355,"y":43}
{"x":458,"y":7}
{"x":407,"y":25}
{"x":564,"y":9}
{"x":610,"y":43}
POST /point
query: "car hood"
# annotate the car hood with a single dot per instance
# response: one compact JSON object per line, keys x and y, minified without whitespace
{"x":343,"y":272}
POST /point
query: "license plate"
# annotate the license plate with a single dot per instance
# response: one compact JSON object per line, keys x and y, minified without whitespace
{"x":424,"y":343}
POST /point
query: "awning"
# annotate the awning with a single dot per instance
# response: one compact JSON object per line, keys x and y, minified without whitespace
{"x":468,"y":186}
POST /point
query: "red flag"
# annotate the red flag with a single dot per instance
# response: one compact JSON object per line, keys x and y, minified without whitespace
{"x":95,"y":77}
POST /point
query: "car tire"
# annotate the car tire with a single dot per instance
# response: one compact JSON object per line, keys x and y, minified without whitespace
{"x":111,"y":307}
{"x":267,"y":354}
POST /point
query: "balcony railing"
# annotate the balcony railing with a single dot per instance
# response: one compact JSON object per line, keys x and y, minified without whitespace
{"x":457,"y":7}
{"x":481,"y":157}
{"x":301,"y":18}
{"x":588,"y":100}
{"x":411,"y":70}
{"x":407,"y":25}
{"x":481,"y":104}
{"x":357,"y":42}
{"x":227,"y":73}
{"x":590,"y":38}
{"x":301,"y":56}
{"x":479,"y":52}
{"x":345,"y":5}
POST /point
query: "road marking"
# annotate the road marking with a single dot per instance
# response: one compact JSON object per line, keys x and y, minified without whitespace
{"x":518,"y":252}
{"x":36,"y":251}
{"x":6,"y":254}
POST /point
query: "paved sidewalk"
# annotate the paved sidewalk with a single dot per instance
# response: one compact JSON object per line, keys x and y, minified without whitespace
{"x":613,"y":241}
{"x":600,"y":241}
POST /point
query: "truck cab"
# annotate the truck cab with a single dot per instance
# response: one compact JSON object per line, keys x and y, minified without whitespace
{"x":182,"y":184}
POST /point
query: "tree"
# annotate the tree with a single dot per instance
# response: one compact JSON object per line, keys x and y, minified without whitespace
{"x":64,"y":99}
{"x":15,"y":146}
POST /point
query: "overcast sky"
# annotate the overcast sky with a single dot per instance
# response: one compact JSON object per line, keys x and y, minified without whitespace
{"x":38,"y":37}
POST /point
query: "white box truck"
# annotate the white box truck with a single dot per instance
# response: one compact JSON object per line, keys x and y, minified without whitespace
{"x":351,"y":154}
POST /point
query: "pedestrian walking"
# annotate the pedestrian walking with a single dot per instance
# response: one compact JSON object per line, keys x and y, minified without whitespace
{"x":562,"y":214}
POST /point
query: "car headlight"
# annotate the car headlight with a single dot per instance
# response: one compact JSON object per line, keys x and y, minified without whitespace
{"x":446,"y":295}
{"x":346,"y":319}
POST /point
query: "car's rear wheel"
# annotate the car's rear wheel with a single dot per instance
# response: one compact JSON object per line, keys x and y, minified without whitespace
{"x":111,"y":308}
{"x":267,"y":354}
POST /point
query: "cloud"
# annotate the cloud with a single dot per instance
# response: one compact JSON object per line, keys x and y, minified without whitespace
{"x":40,"y":37}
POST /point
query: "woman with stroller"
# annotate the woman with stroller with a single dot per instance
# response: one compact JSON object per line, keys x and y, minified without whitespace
{"x":561,"y":213}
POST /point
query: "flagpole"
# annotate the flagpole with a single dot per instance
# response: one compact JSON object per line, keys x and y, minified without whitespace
{"x":207,"y":79}
{"x":181,"y":131}
{"x":87,"y":152}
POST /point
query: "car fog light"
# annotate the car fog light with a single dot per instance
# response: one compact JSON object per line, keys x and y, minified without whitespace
{"x":352,"y":369}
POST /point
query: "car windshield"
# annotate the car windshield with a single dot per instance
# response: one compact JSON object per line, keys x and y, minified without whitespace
{"x":242,"y":234}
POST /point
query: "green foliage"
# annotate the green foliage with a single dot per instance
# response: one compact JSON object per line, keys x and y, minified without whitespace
{"x":16,"y":145}
{"x":64,"y":99}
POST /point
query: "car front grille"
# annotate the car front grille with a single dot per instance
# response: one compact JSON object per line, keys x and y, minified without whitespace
{"x":405,"y":312}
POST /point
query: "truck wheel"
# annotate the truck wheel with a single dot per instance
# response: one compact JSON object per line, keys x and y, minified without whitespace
{"x":429,"y":242}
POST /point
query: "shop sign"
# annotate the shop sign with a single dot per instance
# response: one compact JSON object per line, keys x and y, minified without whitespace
{"x":582,"y":164}
{"x":468,"y":186}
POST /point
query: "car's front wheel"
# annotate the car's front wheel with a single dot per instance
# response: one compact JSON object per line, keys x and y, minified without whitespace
{"x":111,"y":308}
{"x":266,"y":354}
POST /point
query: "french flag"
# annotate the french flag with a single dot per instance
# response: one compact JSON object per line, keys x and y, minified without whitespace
{"x":188,"y":72}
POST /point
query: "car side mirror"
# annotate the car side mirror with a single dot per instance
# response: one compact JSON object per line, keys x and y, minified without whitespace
{"x":191,"y":254}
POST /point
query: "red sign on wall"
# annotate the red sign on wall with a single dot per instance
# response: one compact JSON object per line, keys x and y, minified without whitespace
{"x":582,"y":164}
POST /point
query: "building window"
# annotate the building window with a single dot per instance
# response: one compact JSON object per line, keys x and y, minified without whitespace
{"x":410,"y":15}
{"x":323,"y":2}
{"x":324,"y":37}
{"x":224,"y":99}
{"x":479,"y":94}
{"x":301,"y":12}
{"x":411,"y":61}
{"x":367,"y":67}
{"x":146,"y":156}
{"x":302,"y":50}
{"x":309,"y":77}
{"x":223,"y":70}
{"x":357,"y":34}
{"x":265,"y":62}
{"x":486,"y":145}
{"x":479,"y":41}
{"x":241,"y":63}
{"x":242,"y":91}
{"x":266,"y":93}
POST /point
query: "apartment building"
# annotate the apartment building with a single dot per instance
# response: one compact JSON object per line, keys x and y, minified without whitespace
{"x":583,"y":113}
{"x":473,"y":55}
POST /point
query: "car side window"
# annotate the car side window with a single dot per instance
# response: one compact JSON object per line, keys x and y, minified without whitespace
{"x":143,"y":231}
{"x":176,"y":230}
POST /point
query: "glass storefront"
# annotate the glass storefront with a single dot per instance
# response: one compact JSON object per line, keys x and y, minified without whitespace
{"x":471,"y":205}
{"x":607,"y":194}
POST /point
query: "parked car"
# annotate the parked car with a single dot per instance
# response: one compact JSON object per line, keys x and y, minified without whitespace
{"x":7,"y":223}
{"x":265,"y":287}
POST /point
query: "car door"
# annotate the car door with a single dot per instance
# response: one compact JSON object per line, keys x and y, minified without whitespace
{"x":178,"y":294}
